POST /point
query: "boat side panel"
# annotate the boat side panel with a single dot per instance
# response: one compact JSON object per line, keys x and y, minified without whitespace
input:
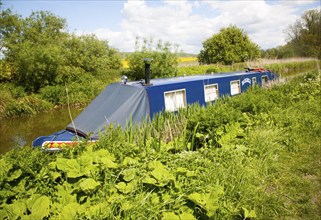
{"x":195,"y":89}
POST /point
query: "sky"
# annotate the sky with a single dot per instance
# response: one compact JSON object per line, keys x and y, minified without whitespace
{"x":186,"y":23}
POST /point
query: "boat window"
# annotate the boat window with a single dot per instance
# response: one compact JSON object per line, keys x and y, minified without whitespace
{"x":235,"y":87}
{"x":264,"y":80}
{"x":175,"y":100}
{"x":211,"y":92}
{"x":253,"y":81}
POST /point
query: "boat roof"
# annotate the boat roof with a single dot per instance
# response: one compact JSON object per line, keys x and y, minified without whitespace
{"x":182,"y":79}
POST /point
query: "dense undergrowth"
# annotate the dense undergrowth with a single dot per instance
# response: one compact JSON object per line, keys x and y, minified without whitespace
{"x":255,"y":155}
{"x":14,"y":101}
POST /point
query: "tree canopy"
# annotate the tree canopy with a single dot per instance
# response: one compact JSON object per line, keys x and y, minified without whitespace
{"x":40,"y":52}
{"x":305,"y":34}
{"x":230,"y":45}
{"x":164,"y":59}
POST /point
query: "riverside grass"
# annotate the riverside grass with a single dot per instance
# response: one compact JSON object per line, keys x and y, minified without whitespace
{"x":252,"y":156}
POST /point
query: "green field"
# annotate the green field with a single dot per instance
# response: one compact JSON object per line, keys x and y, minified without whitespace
{"x":252,"y":156}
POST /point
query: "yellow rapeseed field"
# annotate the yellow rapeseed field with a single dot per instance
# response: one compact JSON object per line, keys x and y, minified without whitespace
{"x":180,"y":60}
{"x":186,"y":59}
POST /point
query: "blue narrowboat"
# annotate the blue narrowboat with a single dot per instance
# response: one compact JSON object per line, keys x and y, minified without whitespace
{"x":140,"y":100}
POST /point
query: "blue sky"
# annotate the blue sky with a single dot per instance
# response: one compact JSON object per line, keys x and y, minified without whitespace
{"x":186,"y":23}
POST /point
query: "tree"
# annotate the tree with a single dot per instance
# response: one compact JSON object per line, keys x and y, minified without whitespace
{"x":230,"y":45}
{"x":40,"y":52}
{"x":305,"y":34}
{"x":164,"y":61}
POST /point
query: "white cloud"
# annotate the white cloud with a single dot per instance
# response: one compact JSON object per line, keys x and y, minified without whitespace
{"x":181,"y":22}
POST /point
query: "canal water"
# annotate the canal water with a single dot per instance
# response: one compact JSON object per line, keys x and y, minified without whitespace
{"x":21,"y":131}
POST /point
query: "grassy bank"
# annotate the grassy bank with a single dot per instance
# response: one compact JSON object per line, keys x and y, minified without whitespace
{"x":255,"y":155}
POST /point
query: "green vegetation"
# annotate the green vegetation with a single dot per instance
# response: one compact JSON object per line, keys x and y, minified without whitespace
{"x":230,"y":45}
{"x":15,"y":101}
{"x":43,"y":62}
{"x":39,"y":52}
{"x":164,"y":61}
{"x":255,"y":155}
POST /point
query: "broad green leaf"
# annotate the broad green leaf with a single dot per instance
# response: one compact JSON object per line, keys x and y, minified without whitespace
{"x":162,"y":175}
{"x":187,"y":216}
{"x":125,"y":187}
{"x":183,"y":170}
{"x":155,"y":199}
{"x":129,"y":161}
{"x":70,"y":166}
{"x":86,"y":164}
{"x":64,"y":193}
{"x":127,"y":206}
{"x":3,"y":214}
{"x":55,"y":175}
{"x":4,"y":168}
{"x":207,"y":201}
{"x":170,"y":216}
{"x":70,"y":211}
{"x":108,"y":163}
{"x":98,"y":211}
{"x":39,"y":206}
{"x":115,"y":198}
{"x":20,"y":187}
{"x":149,"y":180}
{"x":248,"y":214}
{"x":89,"y":186}
{"x":52,"y":165}
{"x":97,"y":156}
{"x":15,"y":175}
{"x":155,"y":165}
{"x":129,"y":174}
{"x":14,"y":211}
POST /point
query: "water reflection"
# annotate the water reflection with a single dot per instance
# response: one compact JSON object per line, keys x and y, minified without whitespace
{"x":20,"y":131}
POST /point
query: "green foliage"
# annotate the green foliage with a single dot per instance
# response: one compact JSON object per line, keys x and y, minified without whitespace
{"x":230,"y":45}
{"x":14,"y":103}
{"x":164,"y":61}
{"x":39,"y":52}
{"x":279,"y":52}
{"x":253,"y":156}
{"x":305,"y":34}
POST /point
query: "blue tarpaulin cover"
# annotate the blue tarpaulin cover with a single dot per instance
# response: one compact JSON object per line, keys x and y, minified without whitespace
{"x":117,"y":104}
